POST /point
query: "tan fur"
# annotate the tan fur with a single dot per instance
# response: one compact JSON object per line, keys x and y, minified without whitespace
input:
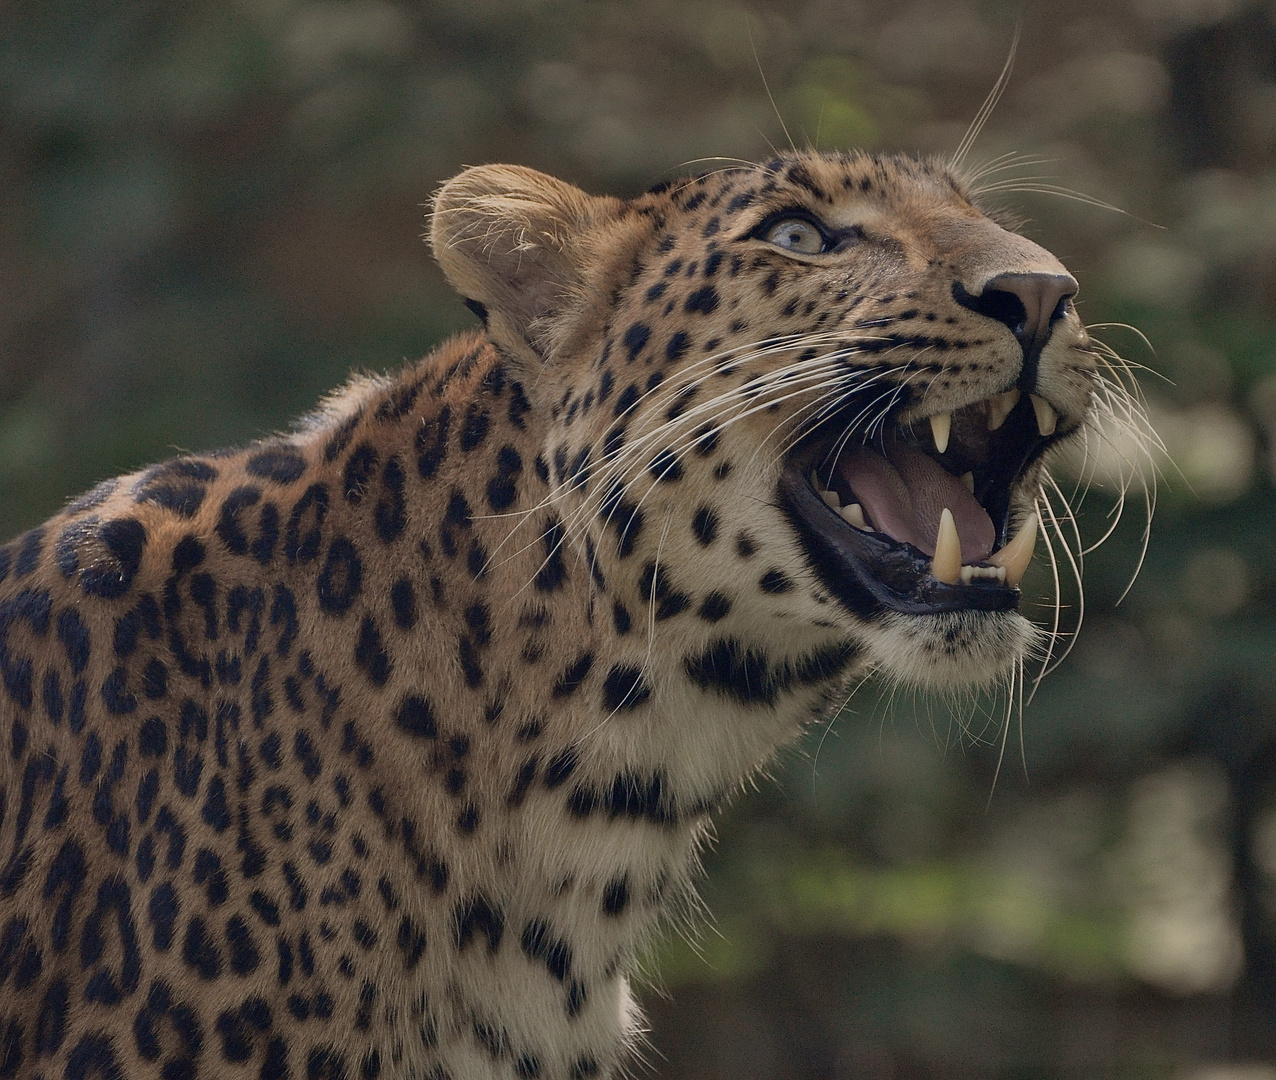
{"x":441,"y":802}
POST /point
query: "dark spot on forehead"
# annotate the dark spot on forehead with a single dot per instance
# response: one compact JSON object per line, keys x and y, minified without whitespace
{"x":635,"y":339}
{"x":704,"y":301}
{"x":799,"y":175}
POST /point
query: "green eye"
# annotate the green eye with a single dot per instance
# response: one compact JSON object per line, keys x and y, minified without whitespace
{"x":795,"y":234}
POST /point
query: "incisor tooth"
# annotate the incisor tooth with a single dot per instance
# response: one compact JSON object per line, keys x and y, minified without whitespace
{"x":831,"y":498}
{"x":946,"y":566}
{"x":999,"y":407}
{"x":982,"y":573}
{"x":853,"y":513}
{"x":968,"y":481}
{"x":1017,"y":554}
{"x":941,"y":425}
{"x":1047,"y":418}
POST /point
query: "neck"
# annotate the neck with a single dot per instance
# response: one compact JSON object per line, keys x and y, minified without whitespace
{"x":580,"y":737}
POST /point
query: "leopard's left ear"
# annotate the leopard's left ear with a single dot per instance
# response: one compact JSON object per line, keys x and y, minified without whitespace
{"x":535,"y":252}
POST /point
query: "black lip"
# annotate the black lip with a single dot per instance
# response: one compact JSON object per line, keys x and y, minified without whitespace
{"x":870,"y":574}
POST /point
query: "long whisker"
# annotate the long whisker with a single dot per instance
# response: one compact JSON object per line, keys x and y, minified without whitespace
{"x":835,"y":714}
{"x":766,"y":86}
{"x":986,"y":109}
{"x":1001,"y":163}
{"x":1014,"y":186}
{"x":1005,"y":735}
{"x":1051,"y":523}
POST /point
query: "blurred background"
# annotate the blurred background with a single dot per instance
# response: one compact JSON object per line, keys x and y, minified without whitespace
{"x":210,"y":212}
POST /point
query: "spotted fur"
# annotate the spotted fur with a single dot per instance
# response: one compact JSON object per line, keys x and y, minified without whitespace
{"x":378,"y":749}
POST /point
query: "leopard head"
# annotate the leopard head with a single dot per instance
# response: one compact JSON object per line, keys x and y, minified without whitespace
{"x":813,"y":398}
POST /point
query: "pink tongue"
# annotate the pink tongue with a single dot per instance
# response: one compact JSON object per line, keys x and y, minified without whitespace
{"x":905,"y":495}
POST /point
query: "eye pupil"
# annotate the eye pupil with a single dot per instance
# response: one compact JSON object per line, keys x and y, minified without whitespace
{"x":796,"y":235}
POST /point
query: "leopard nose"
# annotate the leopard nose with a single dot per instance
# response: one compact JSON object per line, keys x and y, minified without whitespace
{"x":1029,"y":304}
{"x":1041,"y":297}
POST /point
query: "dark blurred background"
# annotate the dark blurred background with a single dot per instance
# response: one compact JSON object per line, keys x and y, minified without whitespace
{"x":210,"y":212}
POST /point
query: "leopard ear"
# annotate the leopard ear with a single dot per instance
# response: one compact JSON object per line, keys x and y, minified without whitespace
{"x":520,"y":247}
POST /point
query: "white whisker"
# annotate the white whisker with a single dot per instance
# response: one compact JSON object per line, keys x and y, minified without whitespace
{"x":986,"y":109}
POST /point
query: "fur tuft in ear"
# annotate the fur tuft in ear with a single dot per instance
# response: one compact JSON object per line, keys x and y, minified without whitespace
{"x":517,"y":244}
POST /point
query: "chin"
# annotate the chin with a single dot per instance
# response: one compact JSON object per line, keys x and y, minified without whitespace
{"x":952,"y":651}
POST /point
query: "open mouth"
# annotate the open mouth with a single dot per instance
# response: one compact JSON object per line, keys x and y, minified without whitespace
{"x":918,"y":518}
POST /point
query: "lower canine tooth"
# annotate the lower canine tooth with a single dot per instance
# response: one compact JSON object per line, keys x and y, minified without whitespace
{"x":999,"y":407}
{"x":1047,"y":418}
{"x":941,"y":426}
{"x":946,"y":566}
{"x":1017,"y":554}
{"x":853,"y":514}
{"x":831,"y":498}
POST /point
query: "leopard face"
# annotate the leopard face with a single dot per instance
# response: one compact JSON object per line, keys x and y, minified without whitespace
{"x":825,"y":351}
{"x":379,"y":749}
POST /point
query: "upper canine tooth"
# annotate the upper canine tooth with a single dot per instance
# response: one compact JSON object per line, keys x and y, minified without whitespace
{"x":1017,"y":554}
{"x":941,"y":425}
{"x":831,"y":498}
{"x":1047,"y":418}
{"x":999,"y":406}
{"x":946,"y":566}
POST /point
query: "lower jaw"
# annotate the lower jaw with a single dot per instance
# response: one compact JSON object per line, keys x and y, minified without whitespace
{"x":872,"y":576}
{"x":952,"y":651}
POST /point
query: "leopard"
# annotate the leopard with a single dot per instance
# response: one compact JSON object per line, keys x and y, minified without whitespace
{"x":383,"y":746}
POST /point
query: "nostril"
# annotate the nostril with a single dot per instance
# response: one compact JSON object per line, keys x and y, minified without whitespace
{"x":1029,"y":304}
{"x":997,"y":304}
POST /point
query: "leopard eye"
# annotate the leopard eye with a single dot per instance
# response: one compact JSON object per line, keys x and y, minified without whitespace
{"x":796,"y":234}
